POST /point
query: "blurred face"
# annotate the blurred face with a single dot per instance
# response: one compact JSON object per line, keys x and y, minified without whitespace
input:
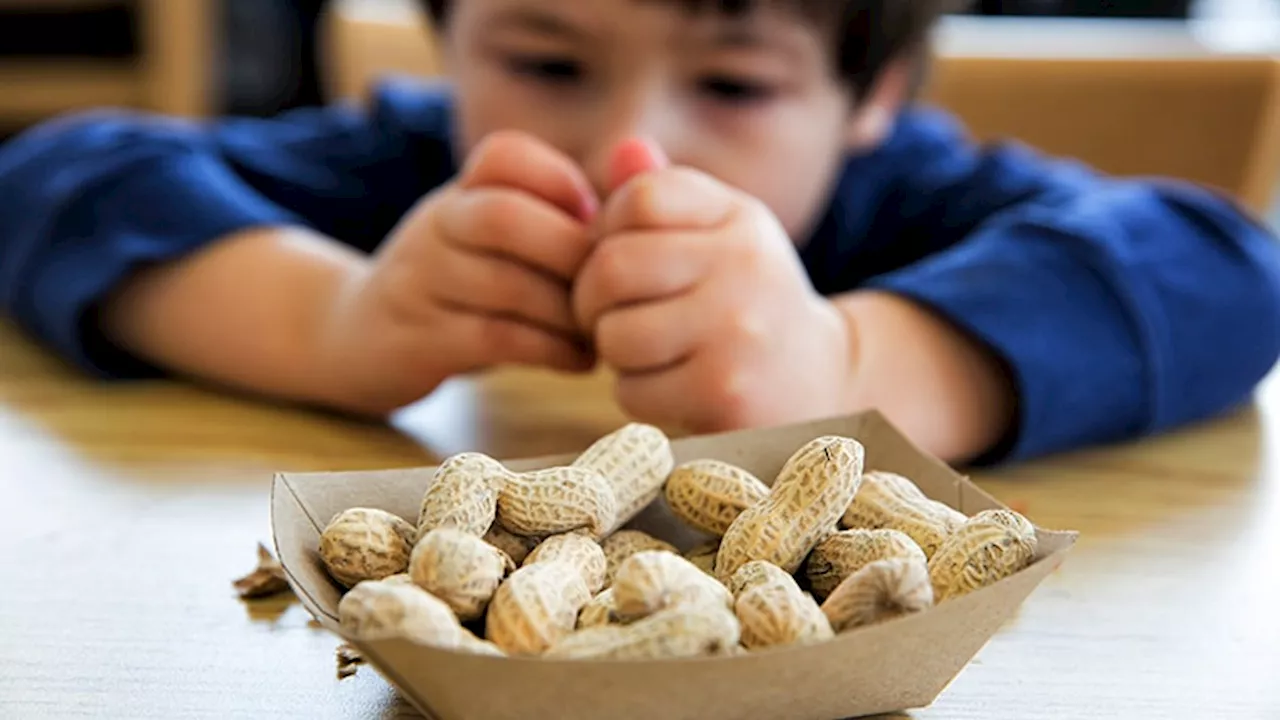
{"x":750,"y":100}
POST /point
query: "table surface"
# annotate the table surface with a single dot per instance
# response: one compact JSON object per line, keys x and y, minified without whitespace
{"x":132,"y":508}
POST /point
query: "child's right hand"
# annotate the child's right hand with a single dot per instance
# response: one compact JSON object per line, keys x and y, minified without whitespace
{"x":478,"y":274}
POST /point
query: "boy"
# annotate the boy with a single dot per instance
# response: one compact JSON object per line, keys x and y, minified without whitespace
{"x":729,"y":203}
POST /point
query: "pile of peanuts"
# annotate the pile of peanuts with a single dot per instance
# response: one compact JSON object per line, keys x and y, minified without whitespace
{"x":535,"y":564}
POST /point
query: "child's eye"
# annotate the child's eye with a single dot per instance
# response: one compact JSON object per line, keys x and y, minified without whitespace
{"x":546,"y":69}
{"x":736,"y":91}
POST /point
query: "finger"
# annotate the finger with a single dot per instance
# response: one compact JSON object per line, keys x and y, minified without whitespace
{"x":518,"y":226}
{"x":672,"y":198}
{"x":493,"y":340}
{"x":650,"y":336}
{"x":494,"y":285}
{"x":517,"y":160}
{"x":637,"y":267}
{"x":633,"y":157}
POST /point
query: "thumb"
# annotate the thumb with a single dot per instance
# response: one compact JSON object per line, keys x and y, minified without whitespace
{"x":633,"y":157}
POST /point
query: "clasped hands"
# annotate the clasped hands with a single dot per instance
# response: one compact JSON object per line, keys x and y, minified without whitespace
{"x":690,"y":290}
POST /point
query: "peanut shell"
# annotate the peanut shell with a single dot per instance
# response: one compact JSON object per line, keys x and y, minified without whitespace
{"x":848,"y":551}
{"x":374,"y":610}
{"x":365,"y":544}
{"x":812,"y":491}
{"x":463,"y":494}
{"x":578,"y":549}
{"x":704,"y":556}
{"x":516,"y":547}
{"x":881,"y":590}
{"x":535,"y":607}
{"x":625,"y":543}
{"x":755,"y":573}
{"x":460,"y":569}
{"x":557,"y":500}
{"x":710,"y":494}
{"x":775,"y":611}
{"x":635,"y":459}
{"x":597,"y":612}
{"x":979,"y":553}
{"x":889,"y":500}
{"x":678,"y":632}
{"x":652,"y":580}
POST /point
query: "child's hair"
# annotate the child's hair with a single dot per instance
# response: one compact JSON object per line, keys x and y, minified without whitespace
{"x":866,"y":34}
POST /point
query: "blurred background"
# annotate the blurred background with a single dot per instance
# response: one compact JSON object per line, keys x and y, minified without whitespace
{"x":1189,"y":88}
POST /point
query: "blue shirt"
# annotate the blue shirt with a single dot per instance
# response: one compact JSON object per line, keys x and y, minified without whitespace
{"x":1119,"y":307}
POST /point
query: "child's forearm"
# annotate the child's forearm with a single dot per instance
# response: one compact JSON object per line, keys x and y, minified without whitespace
{"x":245,"y":312}
{"x":939,"y":386}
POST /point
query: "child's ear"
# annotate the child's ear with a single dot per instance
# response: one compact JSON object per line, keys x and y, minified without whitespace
{"x":874,"y":114}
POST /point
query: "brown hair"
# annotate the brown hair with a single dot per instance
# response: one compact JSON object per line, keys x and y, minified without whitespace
{"x":866,"y":34}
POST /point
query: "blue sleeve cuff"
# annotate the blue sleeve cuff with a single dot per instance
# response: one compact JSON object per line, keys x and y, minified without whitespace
{"x":181,"y":203}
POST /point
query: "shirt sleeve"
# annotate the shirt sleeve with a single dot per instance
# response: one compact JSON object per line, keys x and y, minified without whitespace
{"x":88,"y":199}
{"x":1119,"y":307}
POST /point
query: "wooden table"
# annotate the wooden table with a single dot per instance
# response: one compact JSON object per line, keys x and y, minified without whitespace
{"x":131,"y":509}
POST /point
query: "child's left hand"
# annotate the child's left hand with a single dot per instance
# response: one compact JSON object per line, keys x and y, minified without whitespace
{"x":696,"y":297}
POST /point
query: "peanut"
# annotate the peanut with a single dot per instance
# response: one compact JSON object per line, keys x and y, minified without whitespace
{"x":463,"y":494}
{"x":460,"y":569}
{"x":773,"y":611}
{"x":515,"y":546}
{"x":652,"y":580}
{"x":754,"y":574}
{"x":710,"y":494}
{"x":881,"y":590}
{"x":578,"y":549}
{"x":704,"y":556}
{"x":599,"y":611}
{"x":636,"y":460}
{"x":987,"y":548}
{"x":377,"y":610}
{"x":889,"y":500}
{"x":812,"y":491}
{"x":365,"y":544}
{"x":557,"y":500}
{"x":625,"y":543}
{"x":683,"y":631}
{"x":536,"y":606}
{"x":848,"y":551}
{"x":374,"y":610}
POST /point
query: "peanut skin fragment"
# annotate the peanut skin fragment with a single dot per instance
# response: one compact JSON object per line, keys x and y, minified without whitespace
{"x":710,"y":494}
{"x":463,"y":494}
{"x":812,"y":491}
{"x":557,"y":500}
{"x":625,"y":543}
{"x":635,"y":459}
{"x":889,"y":500}
{"x":683,"y":631}
{"x":848,"y":551}
{"x":460,"y":569}
{"x":881,"y":590}
{"x":365,"y":544}
{"x":652,"y":580}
